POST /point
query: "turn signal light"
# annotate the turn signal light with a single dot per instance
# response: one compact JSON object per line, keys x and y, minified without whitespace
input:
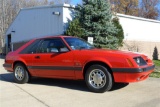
{"x":130,"y":63}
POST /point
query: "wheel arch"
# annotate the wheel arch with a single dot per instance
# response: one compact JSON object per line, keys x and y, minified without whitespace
{"x":90,"y":63}
{"x":15,"y":62}
{"x":18,"y":61}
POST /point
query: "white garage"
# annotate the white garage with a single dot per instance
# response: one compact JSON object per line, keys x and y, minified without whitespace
{"x":38,"y":22}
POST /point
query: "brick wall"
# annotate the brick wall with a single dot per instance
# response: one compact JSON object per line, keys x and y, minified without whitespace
{"x":144,"y":47}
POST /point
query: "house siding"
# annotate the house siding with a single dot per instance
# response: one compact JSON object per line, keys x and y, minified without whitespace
{"x":140,"y":34}
{"x":18,"y":45}
{"x":144,"y":47}
{"x":38,"y":22}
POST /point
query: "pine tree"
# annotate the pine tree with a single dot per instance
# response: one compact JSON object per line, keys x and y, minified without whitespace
{"x":96,"y":21}
{"x":120,"y":34}
{"x":155,"y":54}
{"x":74,"y":28}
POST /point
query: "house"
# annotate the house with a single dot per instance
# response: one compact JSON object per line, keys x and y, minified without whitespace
{"x":141,"y":35}
{"x":37,"y":22}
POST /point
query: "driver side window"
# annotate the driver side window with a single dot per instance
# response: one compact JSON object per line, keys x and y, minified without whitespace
{"x":52,"y":45}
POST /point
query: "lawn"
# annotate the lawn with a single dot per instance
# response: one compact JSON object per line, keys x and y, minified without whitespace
{"x":156,"y":72}
{"x":157,"y":62}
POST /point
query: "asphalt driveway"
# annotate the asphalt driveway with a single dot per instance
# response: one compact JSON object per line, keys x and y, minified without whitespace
{"x":66,"y":93}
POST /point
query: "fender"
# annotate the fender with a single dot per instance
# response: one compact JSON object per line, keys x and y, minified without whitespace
{"x":31,"y":72}
{"x":99,"y":59}
{"x":80,"y":75}
{"x":19,"y":60}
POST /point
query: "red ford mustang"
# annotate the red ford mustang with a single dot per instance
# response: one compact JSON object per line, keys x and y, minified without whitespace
{"x":72,"y":58}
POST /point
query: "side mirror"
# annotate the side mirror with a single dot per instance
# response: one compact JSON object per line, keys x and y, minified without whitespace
{"x":64,"y":50}
{"x":53,"y":50}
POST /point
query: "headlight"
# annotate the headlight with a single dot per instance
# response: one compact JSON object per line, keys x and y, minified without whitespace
{"x":140,"y":61}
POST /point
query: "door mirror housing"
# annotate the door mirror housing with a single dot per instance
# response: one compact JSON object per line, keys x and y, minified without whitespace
{"x":53,"y":50}
{"x":63,"y":49}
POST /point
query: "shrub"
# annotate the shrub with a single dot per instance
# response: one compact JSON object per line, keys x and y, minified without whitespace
{"x":155,"y":53}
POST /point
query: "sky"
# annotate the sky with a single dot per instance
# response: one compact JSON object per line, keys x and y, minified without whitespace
{"x":74,"y":2}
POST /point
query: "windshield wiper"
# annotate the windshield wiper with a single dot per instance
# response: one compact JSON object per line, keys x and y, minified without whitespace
{"x":82,"y":48}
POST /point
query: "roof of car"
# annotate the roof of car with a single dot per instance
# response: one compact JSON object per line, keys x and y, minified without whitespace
{"x":57,"y":36}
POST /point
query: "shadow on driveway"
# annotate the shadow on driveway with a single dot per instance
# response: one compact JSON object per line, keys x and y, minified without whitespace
{"x":7,"y":77}
{"x":70,"y":84}
{"x":2,"y":56}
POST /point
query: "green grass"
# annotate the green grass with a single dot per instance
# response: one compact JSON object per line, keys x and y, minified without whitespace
{"x":157,"y":62}
{"x":156,"y":72}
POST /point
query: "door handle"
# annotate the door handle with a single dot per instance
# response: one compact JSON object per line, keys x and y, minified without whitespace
{"x":37,"y":57}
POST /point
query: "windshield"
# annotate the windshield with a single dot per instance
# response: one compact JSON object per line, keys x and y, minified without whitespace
{"x":77,"y":43}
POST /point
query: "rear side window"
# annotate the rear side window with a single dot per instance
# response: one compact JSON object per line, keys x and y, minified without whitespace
{"x":45,"y":46}
{"x":32,"y":48}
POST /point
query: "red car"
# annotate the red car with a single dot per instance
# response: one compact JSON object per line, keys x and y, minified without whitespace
{"x":73,"y":58}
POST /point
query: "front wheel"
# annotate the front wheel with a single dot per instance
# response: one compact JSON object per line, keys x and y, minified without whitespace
{"x":20,"y":74}
{"x":98,"y":79}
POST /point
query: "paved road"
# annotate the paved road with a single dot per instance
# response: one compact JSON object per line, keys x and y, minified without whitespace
{"x":65,"y":93}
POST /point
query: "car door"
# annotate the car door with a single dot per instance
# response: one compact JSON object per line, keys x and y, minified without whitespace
{"x":53,"y":59}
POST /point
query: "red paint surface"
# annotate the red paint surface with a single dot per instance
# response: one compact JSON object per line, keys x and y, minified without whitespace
{"x":79,"y":58}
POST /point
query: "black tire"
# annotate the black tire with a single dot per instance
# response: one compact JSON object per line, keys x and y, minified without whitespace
{"x":21,"y":75}
{"x":98,"y":79}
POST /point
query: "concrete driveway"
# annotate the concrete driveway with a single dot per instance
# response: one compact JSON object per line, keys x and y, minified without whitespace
{"x":66,"y":93}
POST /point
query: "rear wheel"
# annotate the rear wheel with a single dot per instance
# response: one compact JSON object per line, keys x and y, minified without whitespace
{"x":21,"y":74}
{"x":98,"y":79}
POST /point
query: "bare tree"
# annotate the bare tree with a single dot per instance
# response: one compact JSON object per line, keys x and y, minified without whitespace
{"x":129,"y":7}
{"x":5,"y":18}
{"x":149,"y":9}
{"x":133,"y":46}
{"x":8,"y":11}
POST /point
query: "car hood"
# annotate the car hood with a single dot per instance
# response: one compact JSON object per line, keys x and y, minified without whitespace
{"x":117,"y":52}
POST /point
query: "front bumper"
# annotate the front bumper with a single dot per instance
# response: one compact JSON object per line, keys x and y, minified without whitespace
{"x":128,"y":75}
